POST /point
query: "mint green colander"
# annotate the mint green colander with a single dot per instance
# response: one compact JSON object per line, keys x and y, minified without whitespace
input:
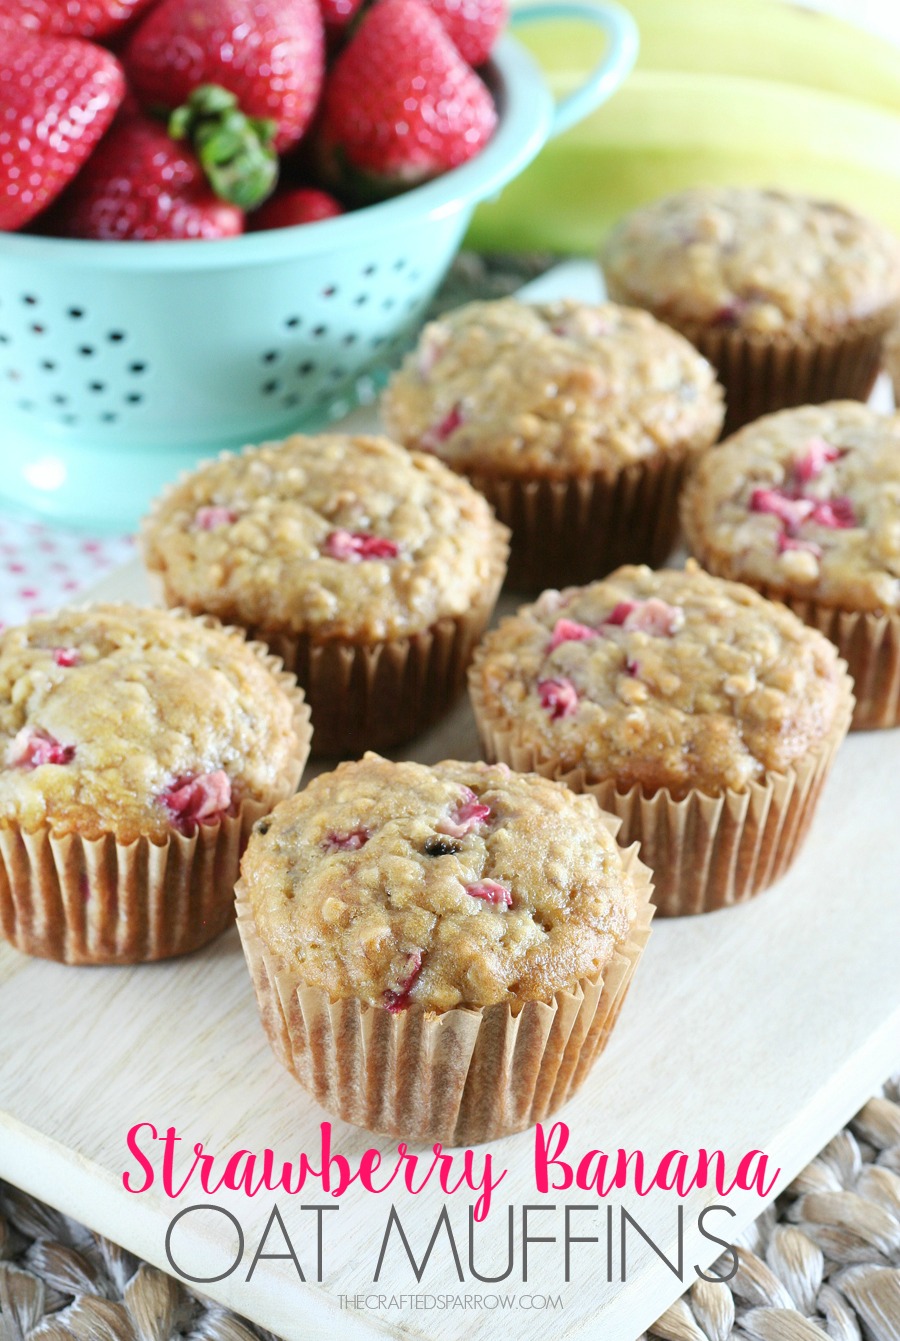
{"x":123,"y":363}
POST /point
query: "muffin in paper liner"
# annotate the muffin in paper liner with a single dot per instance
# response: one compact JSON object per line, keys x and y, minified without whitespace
{"x":566,"y":532}
{"x":378,"y":695}
{"x":705,"y":852}
{"x":100,"y":901}
{"x":460,"y":1076}
{"x":762,"y":375}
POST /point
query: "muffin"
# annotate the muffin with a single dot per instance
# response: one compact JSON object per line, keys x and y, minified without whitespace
{"x":703,"y":715}
{"x":575,"y":422}
{"x":804,"y":506}
{"x":440,"y":953}
{"x":139,"y":747}
{"x":371,"y":572}
{"x":788,"y":298}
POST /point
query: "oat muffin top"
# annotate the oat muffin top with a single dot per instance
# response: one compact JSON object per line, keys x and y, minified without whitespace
{"x":553,"y":389}
{"x":335,"y":536}
{"x":664,"y":679}
{"x":805,"y":502}
{"x":125,"y":720}
{"x":457,"y":885}
{"x":762,"y":262}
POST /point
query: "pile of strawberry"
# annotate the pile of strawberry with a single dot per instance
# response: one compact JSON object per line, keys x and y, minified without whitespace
{"x":153,"y":119}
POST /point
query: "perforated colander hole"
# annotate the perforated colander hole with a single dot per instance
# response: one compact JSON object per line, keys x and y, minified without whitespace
{"x":37,"y":328}
{"x":96,"y":386}
{"x":4,"y":339}
{"x":137,"y":368}
{"x":371,"y":269}
{"x":115,"y":337}
{"x":361,"y":299}
{"x":108,"y":417}
{"x":86,"y":351}
{"x":269,"y":388}
{"x":304,"y":369}
{"x":319,"y":331}
{"x":350,"y":338}
{"x":400,"y":263}
{"x":292,"y":323}
{"x":330,"y":291}
{"x":48,"y":365}
{"x":134,"y":398}
{"x":270,"y":356}
{"x":76,"y":313}
{"x":29,"y":300}
{"x":60,"y":399}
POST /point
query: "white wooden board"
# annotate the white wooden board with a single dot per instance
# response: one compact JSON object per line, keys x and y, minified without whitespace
{"x":759,"y":1027}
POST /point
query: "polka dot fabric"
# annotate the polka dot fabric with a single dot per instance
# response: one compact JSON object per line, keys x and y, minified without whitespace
{"x":43,"y":567}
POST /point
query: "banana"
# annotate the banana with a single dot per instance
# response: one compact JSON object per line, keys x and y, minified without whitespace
{"x":756,"y":39}
{"x":664,"y":130}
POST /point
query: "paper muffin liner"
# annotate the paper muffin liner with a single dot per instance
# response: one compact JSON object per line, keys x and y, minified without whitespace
{"x":101,"y":901}
{"x":570,"y":531}
{"x":761,"y":375}
{"x":374,"y":696}
{"x":705,"y":852}
{"x":460,"y":1076}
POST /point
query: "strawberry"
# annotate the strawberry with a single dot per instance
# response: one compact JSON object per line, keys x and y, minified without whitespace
{"x":401,"y":105}
{"x":74,"y":18}
{"x":59,"y":96}
{"x":301,"y":206}
{"x":268,"y":53}
{"x":141,"y":184}
{"x":473,"y":25}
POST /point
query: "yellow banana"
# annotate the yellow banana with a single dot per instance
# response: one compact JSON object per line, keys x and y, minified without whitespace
{"x":663,"y":131}
{"x":757,"y":39}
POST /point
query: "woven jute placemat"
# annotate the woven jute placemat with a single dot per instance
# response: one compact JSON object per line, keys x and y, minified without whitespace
{"x":821,"y":1264}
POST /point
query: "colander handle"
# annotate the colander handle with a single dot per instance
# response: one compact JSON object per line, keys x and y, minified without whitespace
{"x":609,"y":73}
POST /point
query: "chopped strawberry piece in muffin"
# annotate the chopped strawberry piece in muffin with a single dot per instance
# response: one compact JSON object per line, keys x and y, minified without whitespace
{"x":204,"y":799}
{"x":438,"y":433}
{"x":632,"y":667}
{"x":31,"y":748}
{"x":346,"y":842}
{"x":468,"y":815}
{"x":570,"y":631}
{"x":66,"y":657}
{"x":492,"y":892}
{"x":788,"y":542}
{"x":355,"y":546}
{"x":398,"y":999}
{"x":651,"y":616}
{"x":816,"y":456}
{"x":558,"y":696}
{"x":786,"y":507}
{"x":212,"y":517}
{"x":836,"y":513}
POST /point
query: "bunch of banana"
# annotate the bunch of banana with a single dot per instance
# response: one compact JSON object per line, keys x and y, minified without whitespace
{"x":726,"y":92}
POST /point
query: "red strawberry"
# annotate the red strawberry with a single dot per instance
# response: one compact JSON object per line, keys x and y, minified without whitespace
{"x":141,"y":184}
{"x":401,"y":105}
{"x":301,"y":206}
{"x":59,"y":96}
{"x":474,"y":25}
{"x":269,"y":53}
{"x":73,"y":18}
